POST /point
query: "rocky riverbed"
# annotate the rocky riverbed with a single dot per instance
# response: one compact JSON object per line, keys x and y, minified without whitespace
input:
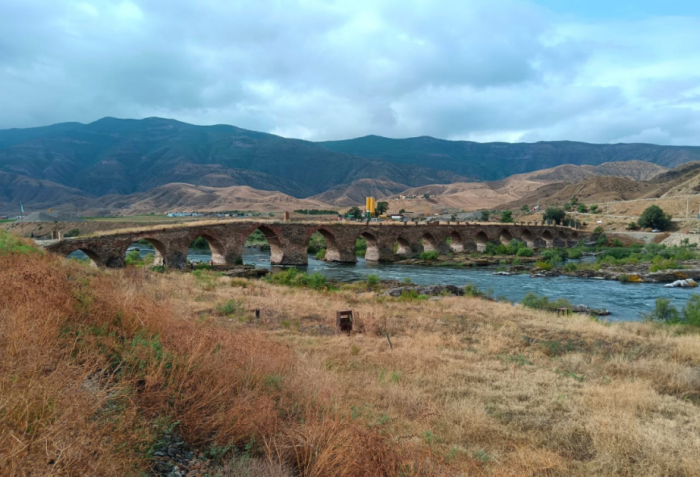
{"x":624,"y":275}
{"x":466,"y":261}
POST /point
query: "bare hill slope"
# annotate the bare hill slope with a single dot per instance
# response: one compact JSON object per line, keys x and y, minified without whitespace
{"x":188,"y":197}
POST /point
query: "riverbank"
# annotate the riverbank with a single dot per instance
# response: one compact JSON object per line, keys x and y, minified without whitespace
{"x":463,"y":260}
{"x":129,"y":358}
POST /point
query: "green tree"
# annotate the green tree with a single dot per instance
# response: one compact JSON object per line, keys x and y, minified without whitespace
{"x":655,"y":218}
{"x":402,"y":211}
{"x":582,"y":208}
{"x":567,"y":207}
{"x":574,"y":201}
{"x":355,"y":212}
{"x":594,"y":209}
{"x":555,"y":214}
{"x":507,"y":216}
{"x":381,"y":208}
{"x":525,"y":208}
{"x":426,"y":196}
{"x":485,"y":214}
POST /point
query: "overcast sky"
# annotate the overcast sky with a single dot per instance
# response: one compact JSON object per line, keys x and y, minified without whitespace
{"x":491,"y":70}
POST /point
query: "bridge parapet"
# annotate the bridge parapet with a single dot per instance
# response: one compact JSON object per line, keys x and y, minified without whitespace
{"x":289,"y":241}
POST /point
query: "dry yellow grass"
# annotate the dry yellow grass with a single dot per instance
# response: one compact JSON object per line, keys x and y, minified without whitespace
{"x":487,"y":387}
{"x":471,"y":387}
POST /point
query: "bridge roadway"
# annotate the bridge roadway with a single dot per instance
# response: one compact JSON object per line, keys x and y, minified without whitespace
{"x":289,"y":241}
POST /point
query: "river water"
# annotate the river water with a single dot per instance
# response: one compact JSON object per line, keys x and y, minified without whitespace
{"x":626,"y":301}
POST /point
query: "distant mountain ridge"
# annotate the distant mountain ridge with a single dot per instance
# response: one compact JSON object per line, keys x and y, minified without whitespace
{"x":126,"y":156}
{"x":493,"y":161}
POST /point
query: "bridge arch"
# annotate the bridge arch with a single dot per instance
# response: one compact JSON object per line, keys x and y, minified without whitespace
{"x":157,"y":245}
{"x":332,"y":251}
{"x":527,"y":237}
{"x":548,"y":238}
{"x":92,"y":256}
{"x":481,"y":240}
{"x":430,"y":243}
{"x":456,"y":242}
{"x":402,"y":246}
{"x":273,"y":240}
{"x":217,"y":248}
{"x":372,"y":252}
{"x":505,"y":236}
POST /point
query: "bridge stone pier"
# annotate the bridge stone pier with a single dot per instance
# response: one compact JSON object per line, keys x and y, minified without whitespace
{"x":289,"y":241}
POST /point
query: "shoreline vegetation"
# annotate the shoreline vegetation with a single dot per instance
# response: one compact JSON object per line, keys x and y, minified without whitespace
{"x":125,"y":372}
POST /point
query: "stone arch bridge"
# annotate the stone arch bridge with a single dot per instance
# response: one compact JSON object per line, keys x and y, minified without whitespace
{"x":289,"y":241}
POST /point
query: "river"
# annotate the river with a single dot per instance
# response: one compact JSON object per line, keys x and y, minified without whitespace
{"x":626,"y":301}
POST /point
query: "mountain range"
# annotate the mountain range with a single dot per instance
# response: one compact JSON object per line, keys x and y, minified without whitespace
{"x":74,"y":163}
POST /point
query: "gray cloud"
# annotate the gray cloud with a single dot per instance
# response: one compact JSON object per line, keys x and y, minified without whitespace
{"x":481,"y":70}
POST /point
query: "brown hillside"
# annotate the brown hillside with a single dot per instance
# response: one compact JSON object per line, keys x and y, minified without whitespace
{"x":532,"y":186}
{"x":684,"y":180}
{"x":355,"y":193}
{"x":172,"y":197}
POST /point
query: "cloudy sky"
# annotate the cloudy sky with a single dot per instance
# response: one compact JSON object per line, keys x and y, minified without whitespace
{"x":491,"y":70}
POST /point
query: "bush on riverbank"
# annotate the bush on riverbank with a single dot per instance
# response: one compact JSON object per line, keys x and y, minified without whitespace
{"x":665,"y":312}
{"x":292,"y":277}
{"x":432,"y":255}
{"x":531,"y":300}
{"x":512,"y":248}
{"x":660,"y":257}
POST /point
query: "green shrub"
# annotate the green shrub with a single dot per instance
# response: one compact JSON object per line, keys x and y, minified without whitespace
{"x":574,"y":253}
{"x":525,"y":252}
{"x":570,"y":267}
{"x":361,"y":247}
{"x":410,"y":295}
{"x":531,"y":300}
{"x":616,"y":243}
{"x":292,"y":277}
{"x":691,"y":311}
{"x":373,"y":280}
{"x":72,"y":233}
{"x":473,"y":291}
{"x":664,"y":312}
{"x":133,"y":257}
{"x":432,"y":255}
{"x":228,"y":308}
{"x":544,"y":265}
{"x":321,"y":254}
